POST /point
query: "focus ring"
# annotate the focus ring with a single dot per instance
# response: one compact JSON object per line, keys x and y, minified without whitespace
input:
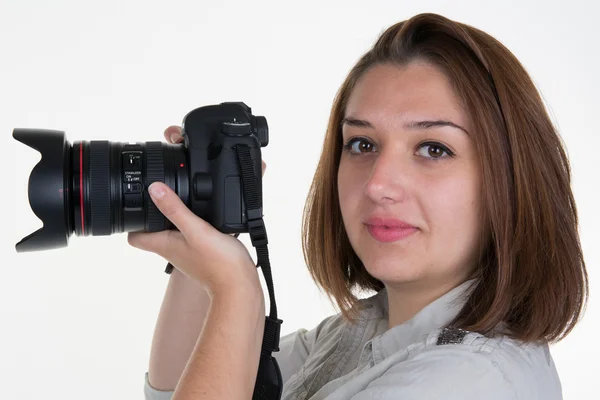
{"x":100,"y":187}
{"x":155,"y":221}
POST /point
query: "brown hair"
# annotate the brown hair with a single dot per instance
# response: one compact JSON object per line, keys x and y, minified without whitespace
{"x":531,"y":273}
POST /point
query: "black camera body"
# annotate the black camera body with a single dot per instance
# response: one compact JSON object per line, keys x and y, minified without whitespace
{"x":100,"y":187}
{"x":211,"y":136}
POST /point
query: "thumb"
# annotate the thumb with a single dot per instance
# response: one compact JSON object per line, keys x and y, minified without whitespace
{"x":171,"y":206}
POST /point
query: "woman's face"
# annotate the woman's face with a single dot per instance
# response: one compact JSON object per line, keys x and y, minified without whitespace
{"x":400,"y":165}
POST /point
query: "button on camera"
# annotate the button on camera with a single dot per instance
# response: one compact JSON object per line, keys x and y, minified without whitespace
{"x":132,"y":161}
{"x":132,"y":188}
{"x":236,"y":128}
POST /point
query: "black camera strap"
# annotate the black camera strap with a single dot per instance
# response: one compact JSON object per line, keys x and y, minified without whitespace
{"x":269,"y":382}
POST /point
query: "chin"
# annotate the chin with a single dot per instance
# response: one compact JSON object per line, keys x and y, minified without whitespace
{"x":392,"y":271}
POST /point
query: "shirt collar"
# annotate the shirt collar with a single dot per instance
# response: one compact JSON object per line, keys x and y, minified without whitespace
{"x":435,"y":315}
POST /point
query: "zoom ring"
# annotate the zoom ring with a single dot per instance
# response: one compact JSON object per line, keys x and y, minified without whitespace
{"x":100,"y":187}
{"x":155,"y":171}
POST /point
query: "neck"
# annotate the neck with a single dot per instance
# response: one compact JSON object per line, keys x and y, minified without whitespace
{"x":406,"y":299}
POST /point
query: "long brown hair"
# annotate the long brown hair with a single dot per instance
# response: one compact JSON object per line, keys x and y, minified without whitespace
{"x":531,"y":273}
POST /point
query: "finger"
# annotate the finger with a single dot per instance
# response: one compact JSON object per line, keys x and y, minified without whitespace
{"x":171,"y":206}
{"x":173,"y":134}
{"x":168,"y":244}
{"x":264,"y":166}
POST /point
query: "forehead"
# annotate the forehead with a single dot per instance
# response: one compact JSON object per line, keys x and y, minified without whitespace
{"x":389,"y":94}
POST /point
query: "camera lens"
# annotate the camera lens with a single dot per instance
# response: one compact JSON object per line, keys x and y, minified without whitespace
{"x":98,"y":187}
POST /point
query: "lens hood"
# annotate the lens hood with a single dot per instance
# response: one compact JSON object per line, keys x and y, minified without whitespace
{"x":49,"y":193}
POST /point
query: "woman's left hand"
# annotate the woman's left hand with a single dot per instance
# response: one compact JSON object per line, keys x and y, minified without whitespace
{"x":217,"y":261}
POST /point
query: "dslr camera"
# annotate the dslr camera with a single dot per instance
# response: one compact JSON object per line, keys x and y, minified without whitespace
{"x":100,"y":187}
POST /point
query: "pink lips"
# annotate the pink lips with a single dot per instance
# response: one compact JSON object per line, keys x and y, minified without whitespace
{"x":388,"y":229}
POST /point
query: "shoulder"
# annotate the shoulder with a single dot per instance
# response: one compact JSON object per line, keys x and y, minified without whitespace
{"x":458,"y":364}
{"x":332,"y":327}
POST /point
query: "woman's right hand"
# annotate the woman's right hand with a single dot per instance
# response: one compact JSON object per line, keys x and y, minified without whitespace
{"x":173,"y":135}
{"x":180,"y":321}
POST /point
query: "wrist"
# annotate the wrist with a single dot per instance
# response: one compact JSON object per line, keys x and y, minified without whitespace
{"x":239,"y":294}
{"x":245,"y":284}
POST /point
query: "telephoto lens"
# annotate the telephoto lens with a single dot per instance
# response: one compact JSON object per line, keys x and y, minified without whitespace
{"x":97,"y":187}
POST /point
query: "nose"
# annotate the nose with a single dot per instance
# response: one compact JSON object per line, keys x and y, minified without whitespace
{"x":389,"y":179}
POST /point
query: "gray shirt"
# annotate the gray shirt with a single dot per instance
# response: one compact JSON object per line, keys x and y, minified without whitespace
{"x":418,"y":359}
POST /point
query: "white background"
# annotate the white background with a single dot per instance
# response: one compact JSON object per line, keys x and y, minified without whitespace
{"x":78,"y":322}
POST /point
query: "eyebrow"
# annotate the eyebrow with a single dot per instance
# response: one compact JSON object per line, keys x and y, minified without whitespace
{"x":359,"y":123}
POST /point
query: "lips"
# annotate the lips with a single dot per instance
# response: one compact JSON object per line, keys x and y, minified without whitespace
{"x":388,"y":223}
{"x":388,"y":230}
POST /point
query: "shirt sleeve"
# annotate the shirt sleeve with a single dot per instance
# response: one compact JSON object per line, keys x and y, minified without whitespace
{"x":152,"y":394}
{"x":444,"y":373}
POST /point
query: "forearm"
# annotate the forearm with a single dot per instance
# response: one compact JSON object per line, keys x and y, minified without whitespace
{"x":225,"y":360}
{"x":178,"y":326}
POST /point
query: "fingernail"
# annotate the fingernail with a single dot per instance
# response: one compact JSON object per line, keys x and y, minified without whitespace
{"x":156,"y":190}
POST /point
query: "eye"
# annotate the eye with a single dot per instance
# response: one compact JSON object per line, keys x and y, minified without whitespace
{"x":435,"y":151}
{"x":359,"y":145}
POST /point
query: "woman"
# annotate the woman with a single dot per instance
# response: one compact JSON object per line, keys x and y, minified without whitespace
{"x":443,"y":187}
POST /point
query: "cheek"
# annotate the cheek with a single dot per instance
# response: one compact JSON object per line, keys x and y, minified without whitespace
{"x":454,"y":210}
{"x":349,"y":190}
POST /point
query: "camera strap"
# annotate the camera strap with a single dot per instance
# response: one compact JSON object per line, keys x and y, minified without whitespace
{"x":269,"y":382}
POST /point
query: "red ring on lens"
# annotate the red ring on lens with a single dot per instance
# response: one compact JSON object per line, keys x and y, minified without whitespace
{"x":81,"y":186}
